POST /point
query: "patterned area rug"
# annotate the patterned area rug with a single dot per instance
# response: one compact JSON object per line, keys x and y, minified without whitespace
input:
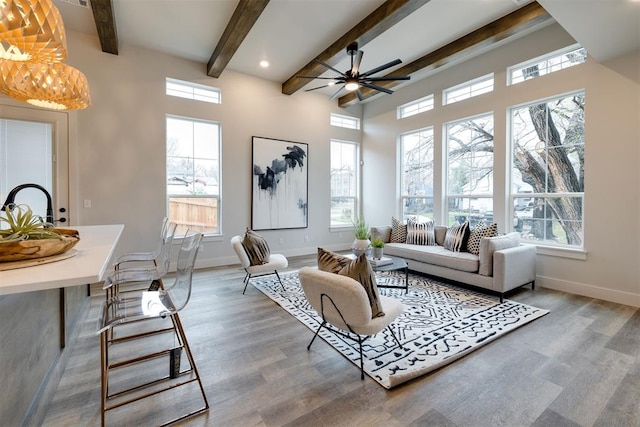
{"x":440,"y":324}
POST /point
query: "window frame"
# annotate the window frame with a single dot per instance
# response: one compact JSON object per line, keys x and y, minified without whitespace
{"x":405,"y":198}
{"x":355,"y":198}
{"x":344,"y":121}
{"x":216,"y":197}
{"x":469,"y":84}
{"x":193,"y":91}
{"x":487,"y":216}
{"x":422,"y":105}
{"x":556,"y":54}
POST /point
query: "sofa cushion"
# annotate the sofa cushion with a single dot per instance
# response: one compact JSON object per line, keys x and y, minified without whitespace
{"x":398,"y":231}
{"x":456,"y":237}
{"x":481,"y":230}
{"x":358,"y":269}
{"x":256,"y":247}
{"x":440,"y":231}
{"x":420,"y":233}
{"x":488,"y":245}
{"x":435,"y":255}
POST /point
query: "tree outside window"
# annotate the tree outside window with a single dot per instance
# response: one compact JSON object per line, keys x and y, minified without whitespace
{"x":548,"y":170}
{"x":417,"y":174}
{"x":193,"y":174}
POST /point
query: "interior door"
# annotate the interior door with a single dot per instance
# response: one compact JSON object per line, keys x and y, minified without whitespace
{"x":34,"y":148}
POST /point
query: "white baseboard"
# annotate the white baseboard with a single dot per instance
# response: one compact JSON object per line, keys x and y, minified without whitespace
{"x":607,"y":294}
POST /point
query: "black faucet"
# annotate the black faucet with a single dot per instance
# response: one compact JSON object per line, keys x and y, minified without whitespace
{"x":12,"y":195}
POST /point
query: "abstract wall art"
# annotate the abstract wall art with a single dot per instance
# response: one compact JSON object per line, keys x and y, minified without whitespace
{"x":280,"y":176}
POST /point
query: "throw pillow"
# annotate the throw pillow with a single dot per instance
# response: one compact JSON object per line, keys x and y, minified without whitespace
{"x":420,"y":233}
{"x":331,"y":261}
{"x":488,"y":245}
{"x":398,"y":231}
{"x":256,"y":247}
{"x":456,"y":238}
{"x":358,"y":269}
{"x":481,"y":230}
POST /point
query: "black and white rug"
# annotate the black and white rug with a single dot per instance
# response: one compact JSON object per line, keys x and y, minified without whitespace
{"x":440,"y":324}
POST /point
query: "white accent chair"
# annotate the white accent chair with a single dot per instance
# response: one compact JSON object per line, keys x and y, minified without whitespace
{"x":343,"y":303}
{"x":276,"y":262}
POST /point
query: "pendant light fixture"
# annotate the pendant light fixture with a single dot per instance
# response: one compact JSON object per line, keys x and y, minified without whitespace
{"x":31,"y":30}
{"x":56,"y":86}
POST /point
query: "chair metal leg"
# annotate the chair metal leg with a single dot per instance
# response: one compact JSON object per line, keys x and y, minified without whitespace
{"x":315,"y":335}
{"x":361,"y":358}
{"x":394,"y":336}
{"x":246,"y":282}
{"x":279,"y":279}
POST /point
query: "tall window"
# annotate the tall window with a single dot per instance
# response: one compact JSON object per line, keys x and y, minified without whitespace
{"x":547,"y":174}
{"x":344,"y":183}
{"x":417,"y":173}
{"x":470,"y":170}
{"x":193,"y":174}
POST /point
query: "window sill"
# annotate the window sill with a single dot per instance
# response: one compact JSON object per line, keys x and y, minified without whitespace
{"x":559,"y":252}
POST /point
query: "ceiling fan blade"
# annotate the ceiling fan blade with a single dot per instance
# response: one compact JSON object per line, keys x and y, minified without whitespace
{"x":385,"y":79}
{"x":359,"y":95}
{"x":355,"y":67}
{"x":379,"y":88}
{"x":382,"y":67}
{"x":335,"y":95}
{"x":329,"y":66}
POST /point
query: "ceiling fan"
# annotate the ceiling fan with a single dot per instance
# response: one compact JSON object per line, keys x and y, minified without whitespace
{"x":352,"y":79}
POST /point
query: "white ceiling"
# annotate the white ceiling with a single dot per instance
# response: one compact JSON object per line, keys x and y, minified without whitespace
{"x":289,"y":33}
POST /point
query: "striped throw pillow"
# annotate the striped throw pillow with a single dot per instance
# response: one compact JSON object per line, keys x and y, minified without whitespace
{"x":420,"y":233}
{"x":481,"y":230}
{"x":398,"y":231}
{"x":331,"y":261}
{"x":256,"y":247}
{"x":456,"y":238}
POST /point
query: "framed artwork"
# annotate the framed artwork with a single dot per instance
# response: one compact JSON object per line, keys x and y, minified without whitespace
{"x":280,"y":177}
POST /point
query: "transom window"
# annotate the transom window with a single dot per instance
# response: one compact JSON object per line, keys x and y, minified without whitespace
{"x":547,"y":173}
{"x":468,"y":89}
{"x":417,"y":173}
{"x":344,"y":121}
{"x":193,"y":91}
{"x":546,"y":64}
{"x":470,"y":170}
{"x":415,"y":107}
{"x":344,"y":183}
{"x":193,"y":174}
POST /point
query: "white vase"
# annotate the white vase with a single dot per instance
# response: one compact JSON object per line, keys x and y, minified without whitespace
{"x":360,"y":246}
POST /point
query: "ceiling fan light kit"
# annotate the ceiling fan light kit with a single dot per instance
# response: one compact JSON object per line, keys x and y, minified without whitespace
{"x":352,"y":79}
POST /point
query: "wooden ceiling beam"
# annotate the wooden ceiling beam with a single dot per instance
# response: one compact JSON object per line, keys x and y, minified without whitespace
{"x":105,"y":25}
{"x":520,"y":20}
{"x":246,"y":14}
{"x":384,"y":17}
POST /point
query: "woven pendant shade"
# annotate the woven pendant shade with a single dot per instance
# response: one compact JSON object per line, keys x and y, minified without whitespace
{"x":31,"y":30}
{"x":57,"y":86}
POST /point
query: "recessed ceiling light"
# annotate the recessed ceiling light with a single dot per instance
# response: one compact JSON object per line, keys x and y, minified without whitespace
{"x":264,"y":63}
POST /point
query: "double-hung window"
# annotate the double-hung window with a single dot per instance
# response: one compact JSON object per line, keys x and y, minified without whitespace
{"x":193,"y":174}
{"x":547,"y":173}
{"x":344,"y":183}
{"x":470,"y":170}
{"x":417,"y":173}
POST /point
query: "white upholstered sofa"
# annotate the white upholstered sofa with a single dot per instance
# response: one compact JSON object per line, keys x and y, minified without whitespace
{"x":503,"y":263}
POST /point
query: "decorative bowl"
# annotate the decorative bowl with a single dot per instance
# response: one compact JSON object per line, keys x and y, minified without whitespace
{"x":39,"y":248}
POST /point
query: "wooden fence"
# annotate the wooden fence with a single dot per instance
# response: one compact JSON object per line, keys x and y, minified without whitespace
{"x":194,"y":213}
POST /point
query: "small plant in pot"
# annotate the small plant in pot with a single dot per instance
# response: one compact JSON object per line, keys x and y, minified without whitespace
{"x":362,"y":234}
{"x":377,"y":244}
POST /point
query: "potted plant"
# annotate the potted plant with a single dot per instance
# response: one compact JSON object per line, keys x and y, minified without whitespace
{"x":362,"y":234}
{"x":377,"y":244}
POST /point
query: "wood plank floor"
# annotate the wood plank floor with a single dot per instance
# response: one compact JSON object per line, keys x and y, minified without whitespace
{"x":577,"y":366}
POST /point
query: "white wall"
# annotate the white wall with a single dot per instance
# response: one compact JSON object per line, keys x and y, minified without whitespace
{"x":612,"y":200}
{"x":119,"y":148}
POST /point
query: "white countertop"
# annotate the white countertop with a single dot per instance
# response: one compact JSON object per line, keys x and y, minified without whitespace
{"x":89,"y":265}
